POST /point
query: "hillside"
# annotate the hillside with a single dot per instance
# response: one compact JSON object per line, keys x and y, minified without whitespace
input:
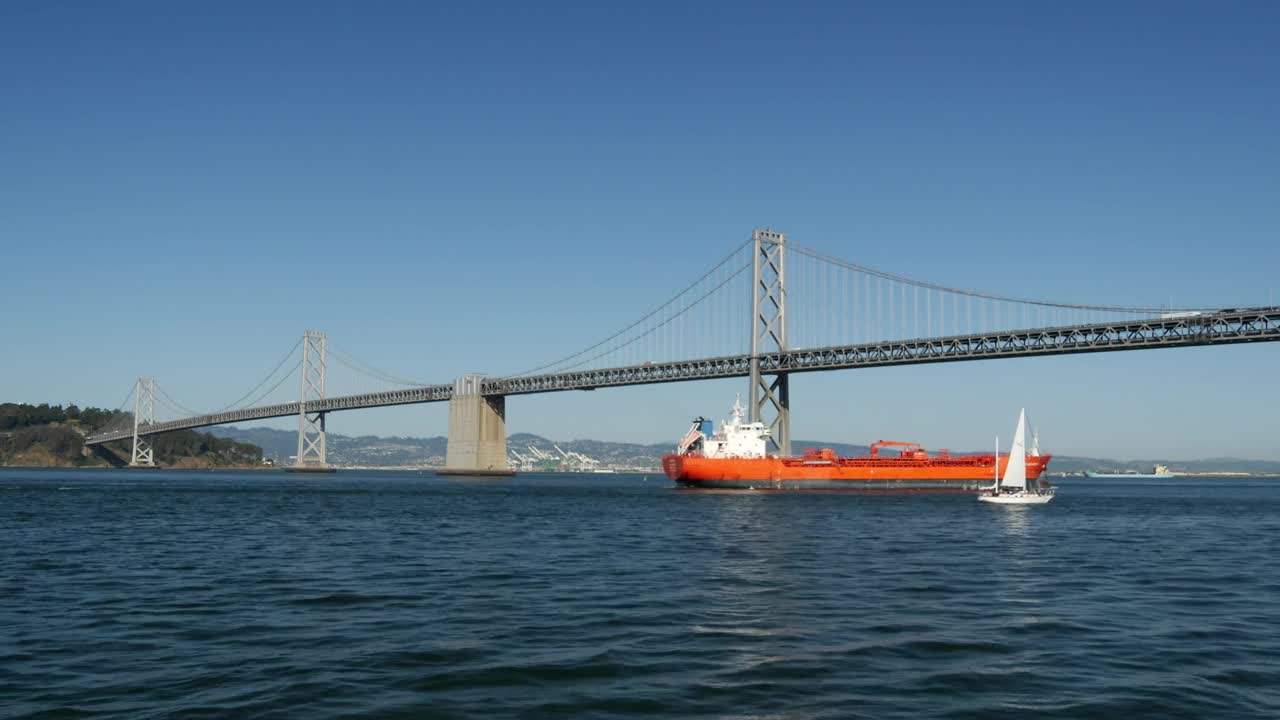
{"x":53,"y":436}
{"x":373,"y":451}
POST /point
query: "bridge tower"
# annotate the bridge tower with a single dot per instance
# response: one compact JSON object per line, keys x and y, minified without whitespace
{"x":311,"y":436}
{"x":144,"y":415}
{"x":770,"y":395}
{"x":477,"y":431}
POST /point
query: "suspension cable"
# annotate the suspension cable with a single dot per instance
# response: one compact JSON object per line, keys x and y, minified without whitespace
{"x":279,"y":382}
{"x":370,"y":370}
{"x":628,"y":328}
{"x":893,"y":277}
{"x":167,"y":403}
{"x":285,"y":358}
{"x":174,"y":404}
{"x":121,"y":417}
{"x":132,"y":389}
{"x":664,"y":323}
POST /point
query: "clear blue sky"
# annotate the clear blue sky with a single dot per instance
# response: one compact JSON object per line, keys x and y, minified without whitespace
{"x":185,"y":187}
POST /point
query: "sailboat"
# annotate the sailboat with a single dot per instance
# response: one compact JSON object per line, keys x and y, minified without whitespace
{"x":1012,"y":488}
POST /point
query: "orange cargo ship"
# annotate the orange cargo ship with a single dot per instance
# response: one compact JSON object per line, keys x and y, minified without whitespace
{"x":736,"y":457}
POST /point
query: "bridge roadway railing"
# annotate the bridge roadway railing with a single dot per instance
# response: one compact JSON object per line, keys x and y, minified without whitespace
{"x":428,"y":393}
{"x":1222,"y":328}
{"x":1217,"y":328}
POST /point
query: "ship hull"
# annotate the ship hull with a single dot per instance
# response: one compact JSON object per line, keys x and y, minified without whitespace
{"x":962,"y":474}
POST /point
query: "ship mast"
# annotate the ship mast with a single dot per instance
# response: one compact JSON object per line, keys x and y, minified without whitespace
{"x":996,"y":470}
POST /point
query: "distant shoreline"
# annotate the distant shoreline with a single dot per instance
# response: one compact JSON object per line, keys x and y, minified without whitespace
{"x":126,"y":467}
{"x":432,"y":470}
{"x":1174,"y":476}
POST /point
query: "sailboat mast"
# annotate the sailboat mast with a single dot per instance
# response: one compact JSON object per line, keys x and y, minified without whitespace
{"x":997,"y":465}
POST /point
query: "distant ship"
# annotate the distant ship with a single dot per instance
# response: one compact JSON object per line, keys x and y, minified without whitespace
{"x":736,"y":457}
{"x":1157,"y":472}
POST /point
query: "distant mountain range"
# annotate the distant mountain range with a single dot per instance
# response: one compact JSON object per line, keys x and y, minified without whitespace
{"x":374,"y":451}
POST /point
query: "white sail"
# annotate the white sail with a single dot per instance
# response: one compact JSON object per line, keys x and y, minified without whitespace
{"x":1015,"y":472}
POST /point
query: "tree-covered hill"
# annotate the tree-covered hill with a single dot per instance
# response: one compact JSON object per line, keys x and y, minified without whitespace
{"x":53,"y":436}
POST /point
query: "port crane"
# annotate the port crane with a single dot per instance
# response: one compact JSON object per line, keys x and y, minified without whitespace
{"x":522,"y":462}
{"x":576,"y":461}
{"x":536,"y":458}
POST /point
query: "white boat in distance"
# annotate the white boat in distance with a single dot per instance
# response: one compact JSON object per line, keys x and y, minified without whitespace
{"x":1012,"y":488}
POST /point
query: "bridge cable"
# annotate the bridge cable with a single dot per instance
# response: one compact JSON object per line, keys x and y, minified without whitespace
{"x":628,"y":328}
{"x":351,"y":363}
{"x":120,"y":417}
{"x":369,"y":370}
{"x":174,"y":404}
{"x":179,"y":408}
{"x":664,"y":323}
{"x":285,"y":358}
{"x":163,"y":399}
{"x":893,"y":277}
{"x":279,"y":382}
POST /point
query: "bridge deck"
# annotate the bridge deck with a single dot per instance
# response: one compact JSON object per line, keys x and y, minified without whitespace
{"x":1218,"y":328}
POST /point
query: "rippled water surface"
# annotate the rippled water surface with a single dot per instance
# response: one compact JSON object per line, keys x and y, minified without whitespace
{"x":174,"y":594}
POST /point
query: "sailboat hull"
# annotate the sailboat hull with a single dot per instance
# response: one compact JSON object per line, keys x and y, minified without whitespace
{"x":1017,"y":498}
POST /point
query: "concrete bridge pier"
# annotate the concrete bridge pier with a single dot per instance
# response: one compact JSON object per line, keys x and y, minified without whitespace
{"x":477,"y":431}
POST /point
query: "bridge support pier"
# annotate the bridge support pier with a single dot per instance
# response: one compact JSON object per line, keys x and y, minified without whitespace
{"x":477,"y":431}
{"x":144,"y":414}
{"x":311,"y":435}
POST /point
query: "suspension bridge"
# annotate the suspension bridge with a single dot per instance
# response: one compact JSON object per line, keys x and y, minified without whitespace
{"x":767,"y":310}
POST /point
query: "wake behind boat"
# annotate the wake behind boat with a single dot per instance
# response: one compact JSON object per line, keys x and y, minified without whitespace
{"x":1011,"y":488}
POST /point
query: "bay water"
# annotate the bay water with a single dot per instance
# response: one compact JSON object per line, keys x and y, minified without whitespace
{"x":129,"y":594}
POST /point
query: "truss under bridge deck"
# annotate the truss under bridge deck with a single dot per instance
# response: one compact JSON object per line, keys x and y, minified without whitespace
{"x":1223,"y":327}
{"x":1219,"y":328}
{"x":426,"y":394}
